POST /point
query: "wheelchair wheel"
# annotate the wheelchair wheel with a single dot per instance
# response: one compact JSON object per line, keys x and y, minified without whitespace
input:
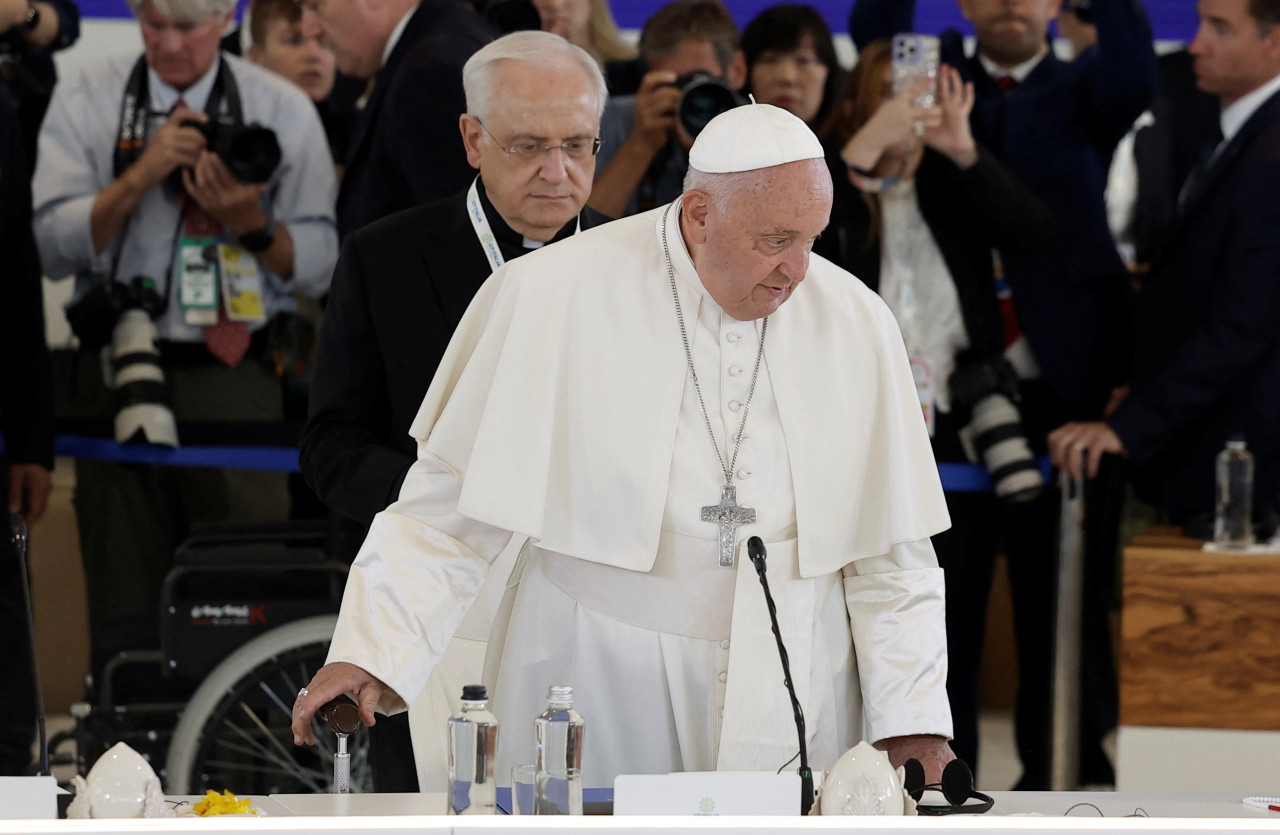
{"x":234,"y":733}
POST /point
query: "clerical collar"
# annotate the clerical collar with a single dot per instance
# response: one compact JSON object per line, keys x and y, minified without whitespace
{"x":511,"y":242}
{"x":1019,"y":72}
{"x":164,"y":97}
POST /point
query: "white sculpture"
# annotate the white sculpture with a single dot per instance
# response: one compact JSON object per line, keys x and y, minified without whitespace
{"x":862,"y":782}
{"x":121,"y":784}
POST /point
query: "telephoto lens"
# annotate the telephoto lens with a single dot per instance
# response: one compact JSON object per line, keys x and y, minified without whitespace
{"x":997,"y":436}
{"x":142,"y":409}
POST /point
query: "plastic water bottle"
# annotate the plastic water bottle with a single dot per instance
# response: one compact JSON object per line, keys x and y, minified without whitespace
{"x":1233,"y":514}
{"x":559,"y":733}
{"x":473,"y":747}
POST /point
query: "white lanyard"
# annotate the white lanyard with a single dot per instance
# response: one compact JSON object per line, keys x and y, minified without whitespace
{"x":484,"y":232}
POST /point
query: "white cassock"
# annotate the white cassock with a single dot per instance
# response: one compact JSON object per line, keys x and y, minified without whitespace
{"x":563,"y":410}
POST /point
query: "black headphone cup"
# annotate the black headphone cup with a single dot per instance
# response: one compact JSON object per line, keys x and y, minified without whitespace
{"x":957,"y":782}
{"x":913,"y":778}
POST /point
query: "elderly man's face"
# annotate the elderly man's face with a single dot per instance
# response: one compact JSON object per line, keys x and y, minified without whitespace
{"x":347,"y":28}
{"x":179,"y":51}
{"x":536,"y":191}
{"x":1011,"y":31}
{"x":751,"y":255}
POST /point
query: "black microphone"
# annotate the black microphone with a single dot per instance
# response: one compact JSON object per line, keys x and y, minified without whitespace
{"x":757,"y":555}
{"x":18,"y":532}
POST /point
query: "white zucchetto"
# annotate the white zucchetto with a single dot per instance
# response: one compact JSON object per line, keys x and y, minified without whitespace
{"x":751,"y":137}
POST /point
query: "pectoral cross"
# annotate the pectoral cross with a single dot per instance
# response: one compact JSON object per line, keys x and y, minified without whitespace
{"x":728,"y":515}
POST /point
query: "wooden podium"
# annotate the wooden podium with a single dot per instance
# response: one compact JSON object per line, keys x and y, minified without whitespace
{"x":1200,"y":649}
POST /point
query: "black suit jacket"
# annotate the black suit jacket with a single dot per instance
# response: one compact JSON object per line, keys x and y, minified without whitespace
{"x":26,"y":378}
{"x":406,"y":149}
{"x":399,"y":291}
{"x":1208,"y":359}
{"x":1056,"y":131}
{"x":1186,"y":123}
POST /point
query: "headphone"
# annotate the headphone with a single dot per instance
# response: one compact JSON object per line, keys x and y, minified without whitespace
{"x":956,"y":787}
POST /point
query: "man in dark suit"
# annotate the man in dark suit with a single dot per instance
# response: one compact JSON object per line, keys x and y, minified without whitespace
{"x":1069,"y":326}
{"x":402,"y":284}
{"x":1208,"y":360}
{"x":404,"y":150}
{"x":26,"y":423}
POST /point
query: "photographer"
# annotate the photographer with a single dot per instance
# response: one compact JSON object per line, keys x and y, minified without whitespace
{"x":191,"y":195}
{"x":644,"y":150}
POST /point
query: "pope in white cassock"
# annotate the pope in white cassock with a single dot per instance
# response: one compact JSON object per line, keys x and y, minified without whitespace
{"x":614,"y":397}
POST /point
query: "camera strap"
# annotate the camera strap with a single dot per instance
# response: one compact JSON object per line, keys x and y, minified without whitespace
{"x":135,"y":110}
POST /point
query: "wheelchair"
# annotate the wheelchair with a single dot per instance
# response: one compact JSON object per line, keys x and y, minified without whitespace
{"x":246,"y":617}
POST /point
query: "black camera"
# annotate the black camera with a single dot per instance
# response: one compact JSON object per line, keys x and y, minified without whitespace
{"x":703,"y":97}
{"x":121,"y":316}
{"x":250,"y":152}
{"x":984,"y":397}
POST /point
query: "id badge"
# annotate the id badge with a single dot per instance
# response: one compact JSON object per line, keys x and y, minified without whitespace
{"x":241,"y":284}
{"x":926,"y":388}
{"x":197,"y":270}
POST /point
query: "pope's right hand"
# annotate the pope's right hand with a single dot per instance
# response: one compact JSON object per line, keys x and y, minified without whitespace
{"x":175,"y":145}
{"x":330,"y":682}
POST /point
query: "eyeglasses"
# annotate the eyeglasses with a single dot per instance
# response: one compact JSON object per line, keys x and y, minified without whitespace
{"x":531,"y":152}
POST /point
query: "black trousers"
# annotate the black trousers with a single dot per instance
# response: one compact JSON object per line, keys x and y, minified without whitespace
{"x":1027,"y":533}
{"x":18,"y":693}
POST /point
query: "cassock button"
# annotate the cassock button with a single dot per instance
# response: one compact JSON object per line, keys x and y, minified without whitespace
{"x":734,"y":405}
{"x":724,"y":677}
{"x":721,"y":713}
{"x":743,"y":474}
{"x":735,"y":371}
{"x":733,"y":336}
{"x":724,"y":644}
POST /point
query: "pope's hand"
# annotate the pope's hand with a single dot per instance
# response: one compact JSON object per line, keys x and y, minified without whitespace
{"x":330,"y":682}
{"x":932,"y":752}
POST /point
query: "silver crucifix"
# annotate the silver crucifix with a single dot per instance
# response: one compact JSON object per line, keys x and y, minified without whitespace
{"x":728,"y":516}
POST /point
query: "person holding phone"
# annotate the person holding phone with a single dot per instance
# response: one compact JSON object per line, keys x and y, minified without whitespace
{"x":917,"y":209}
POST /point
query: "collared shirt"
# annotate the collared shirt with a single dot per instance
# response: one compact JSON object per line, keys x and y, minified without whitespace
{"x":164,"y":97}
{"x":1018,"y":73}
{"x":1238,"y":112}
{"x":77,"y":143}
{"x":394,"y":38}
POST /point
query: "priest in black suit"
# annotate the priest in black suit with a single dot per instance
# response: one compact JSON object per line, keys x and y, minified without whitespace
{"x":531,"y":127}
{"x":1208,"y":359}
{"x":404,"y":150}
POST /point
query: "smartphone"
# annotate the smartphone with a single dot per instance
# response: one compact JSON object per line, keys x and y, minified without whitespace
{"x":916,"y":57}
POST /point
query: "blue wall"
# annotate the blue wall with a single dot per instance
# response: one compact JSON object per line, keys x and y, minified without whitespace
{"x":1173,"y":20}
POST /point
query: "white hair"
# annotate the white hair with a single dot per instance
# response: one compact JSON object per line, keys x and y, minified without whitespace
{"x":540,"y":51}
{"x":721,"y":188}
{"x":186,"y":11}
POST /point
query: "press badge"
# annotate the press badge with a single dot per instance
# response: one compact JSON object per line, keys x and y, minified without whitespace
{"x":241,"y":284}
{"x":198,"y":281}
{"x":926,"y":388}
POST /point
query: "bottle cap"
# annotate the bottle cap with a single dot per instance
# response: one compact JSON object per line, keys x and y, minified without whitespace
{"x":474,"y":693}
{"x":560,"y":694}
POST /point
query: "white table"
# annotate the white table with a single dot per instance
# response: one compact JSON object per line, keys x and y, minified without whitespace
{"x":1014,"y":812}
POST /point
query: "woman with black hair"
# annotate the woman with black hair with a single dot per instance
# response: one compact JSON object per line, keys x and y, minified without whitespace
{"x":791,"y":61}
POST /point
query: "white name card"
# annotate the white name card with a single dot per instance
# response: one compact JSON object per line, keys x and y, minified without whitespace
{"x":28,"y":798}
{"x":707,"y":793}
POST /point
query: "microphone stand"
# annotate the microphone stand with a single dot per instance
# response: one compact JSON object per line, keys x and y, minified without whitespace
{"x":18,"y":532}
{"x":756,"y":553}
